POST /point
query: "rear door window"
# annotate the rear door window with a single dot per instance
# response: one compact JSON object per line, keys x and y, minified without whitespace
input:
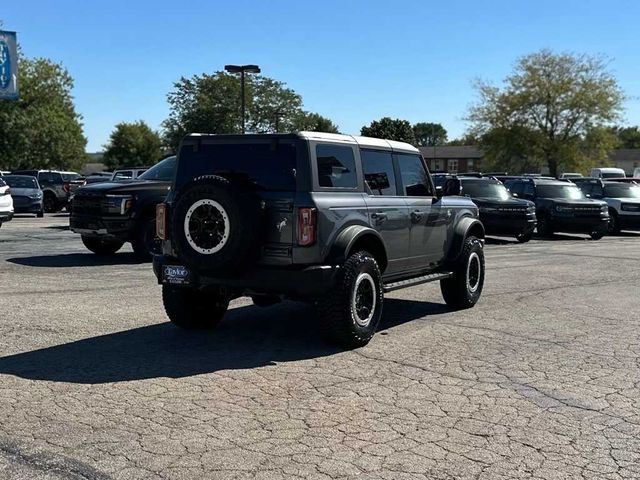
{"x":379,"y":174}
{"x":336,"y":166}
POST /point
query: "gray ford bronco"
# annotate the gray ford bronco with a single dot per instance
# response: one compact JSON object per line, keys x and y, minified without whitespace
{"x":336,"y":220}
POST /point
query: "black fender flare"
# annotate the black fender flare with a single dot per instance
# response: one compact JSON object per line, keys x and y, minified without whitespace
{"x":347,"y":239}
{"x":466,"y":226}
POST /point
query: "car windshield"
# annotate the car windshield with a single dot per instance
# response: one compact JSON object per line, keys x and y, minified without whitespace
{"x":164,"y":170}
{"x":622,"y":191}
{"x":21,"y":182}
{"x":485,"y":190}
{"x":568,"y":192}
{"x":70,"y":177}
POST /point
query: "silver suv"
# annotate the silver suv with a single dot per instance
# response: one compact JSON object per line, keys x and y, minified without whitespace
{"x":623,"y":199}
{"x":336,"y":220}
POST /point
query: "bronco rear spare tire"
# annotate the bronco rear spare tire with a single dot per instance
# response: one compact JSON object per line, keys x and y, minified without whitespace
{"x":217,"y":228}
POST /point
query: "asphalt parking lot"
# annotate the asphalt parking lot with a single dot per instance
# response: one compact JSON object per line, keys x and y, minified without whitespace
{"x":540,"y":380}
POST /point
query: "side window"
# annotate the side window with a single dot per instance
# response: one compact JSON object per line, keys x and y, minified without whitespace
{"x":415,"y":179}
{"x":378,"y":172}
{"x":336,"y":166}
{"x":45,"y":177}
{"x":124,"y":175}
{"x":597,"y":191}
{"x":515,"y":187}
{"x":529,"y":191}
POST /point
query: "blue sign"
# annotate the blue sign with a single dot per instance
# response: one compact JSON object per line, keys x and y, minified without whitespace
{"x":8,"y":66}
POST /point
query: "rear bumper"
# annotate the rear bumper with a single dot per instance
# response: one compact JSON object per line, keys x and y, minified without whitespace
{"x":304,"y":282}
{"x":105,"y":227}
{"x":6,"y":216}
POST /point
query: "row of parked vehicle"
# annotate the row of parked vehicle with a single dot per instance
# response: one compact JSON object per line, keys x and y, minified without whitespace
{"x":331,"y":219}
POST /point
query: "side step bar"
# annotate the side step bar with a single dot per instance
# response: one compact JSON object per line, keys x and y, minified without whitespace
{"x":412,"y":282}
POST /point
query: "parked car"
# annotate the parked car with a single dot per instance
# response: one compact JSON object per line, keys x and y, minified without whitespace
{"x":6,"y":203}
{"x":55,"y":188}
{"x":128,"y":173}
{"x":27,"y":194}
{"x":98,"y":177}
{"x":570,"y":175}
{"x":636,"y":172}
{"x":331,"y":219}
{"x":109,"y":214}
{"x":500,"y":212}
{"x":607,"y":172}
{"x":562,"y":207}
{"x":623,"y":200}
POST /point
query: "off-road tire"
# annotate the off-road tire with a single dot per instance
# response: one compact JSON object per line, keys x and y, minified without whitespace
{"x":613,"y":228}
{"x":50,"y":203}
{"x":597,"y":234}
{"x":193,"y":309}
{"x":101,"y":246}
{"x":463,"y":290}
{"x":524,"y":237}
{"x":339,"y":319}
{"x":544,"y":226}
{"x":40,"y":214}
{"x":239,"y":216}
{"x":144,"y":241}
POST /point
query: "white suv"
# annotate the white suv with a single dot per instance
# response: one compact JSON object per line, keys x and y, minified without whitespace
{"x":6,"y":203}
{"x":623,"y":199}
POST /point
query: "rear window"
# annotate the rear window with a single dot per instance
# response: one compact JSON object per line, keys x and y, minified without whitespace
{"x":269,"y":165}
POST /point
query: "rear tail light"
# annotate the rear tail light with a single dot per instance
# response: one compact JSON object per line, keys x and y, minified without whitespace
{"x":161,"y":221}
{"x":307,"y":230}
{"x":66,"y":187}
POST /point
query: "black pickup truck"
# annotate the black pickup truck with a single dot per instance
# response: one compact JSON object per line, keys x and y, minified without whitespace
{"x":107,"y":215}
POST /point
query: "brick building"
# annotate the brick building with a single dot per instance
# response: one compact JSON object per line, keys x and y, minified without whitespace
{"x":453,"y":159}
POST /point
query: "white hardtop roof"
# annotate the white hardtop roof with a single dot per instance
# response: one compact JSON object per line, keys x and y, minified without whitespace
{"x":609,"y":169}
{"x":365,"y":142}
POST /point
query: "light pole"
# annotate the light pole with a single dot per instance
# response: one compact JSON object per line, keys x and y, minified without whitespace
{"x":242,"y":69}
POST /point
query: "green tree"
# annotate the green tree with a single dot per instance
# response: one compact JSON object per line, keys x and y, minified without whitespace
{"x":629,"y":137}
{"x":429,"y":134}
{"x":42,"y":128}
{"x":212,"y":104}
{"x":390,"y":129}
{"x":559,"y":99}
{"x":314,"y":122}
{"x":132,"y":144}
{"x":466,"y":140}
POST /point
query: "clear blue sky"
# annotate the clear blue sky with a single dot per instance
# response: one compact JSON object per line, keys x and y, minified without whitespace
{"x":353,"y":61}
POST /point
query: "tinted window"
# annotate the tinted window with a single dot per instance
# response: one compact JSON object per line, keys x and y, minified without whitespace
{"x":163,"y":170}
{"x":568,"y":192}
{"x":123,"y":175}
{"x":529,"y":191}
{"x":45,"y":177}
{"x":415,"y":179}
{"x":336,"y":166}
{"x":269,"y":165}
{"x":70,"y":177}
{"x":484,"y":189}
{"x":378,"y":172}
{"x":622,"y":191}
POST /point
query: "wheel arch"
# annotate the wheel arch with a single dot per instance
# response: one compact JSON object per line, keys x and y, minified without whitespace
{"x":359,"y":237}
{"x":466,"y":227}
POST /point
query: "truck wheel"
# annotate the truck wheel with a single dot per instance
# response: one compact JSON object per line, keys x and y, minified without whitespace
{"x":40,"y":214}
{"x":463,"y":290}
{"x":613,"y":227}
{"x":50,"y":203}
{"x":597,"y":235}
{"x":101,"y":246}
{"x":145,"y":243}
{"x":216,"y":227}
{"x":193,"y":309}
{"x":544,"y":226}
{"x":351,"y":311}
{"x":524,"y":237}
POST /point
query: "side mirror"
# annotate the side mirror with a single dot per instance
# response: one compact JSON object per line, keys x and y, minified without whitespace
{"x":588,"y":195}
{"x":514,"y":195}
{"x":439,"y":192}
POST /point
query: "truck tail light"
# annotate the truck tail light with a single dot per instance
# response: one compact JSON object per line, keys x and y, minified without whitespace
{"x":161,"y":221}
{"x":66,"y":187}
{"x":307,"y":230}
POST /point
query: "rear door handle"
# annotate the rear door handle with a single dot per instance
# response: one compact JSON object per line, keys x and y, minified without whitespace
{"x":379,"y":217}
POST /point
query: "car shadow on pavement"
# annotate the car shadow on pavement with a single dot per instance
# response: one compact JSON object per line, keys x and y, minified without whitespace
{"x":76,"y":260}
{"x":248,"y":337}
